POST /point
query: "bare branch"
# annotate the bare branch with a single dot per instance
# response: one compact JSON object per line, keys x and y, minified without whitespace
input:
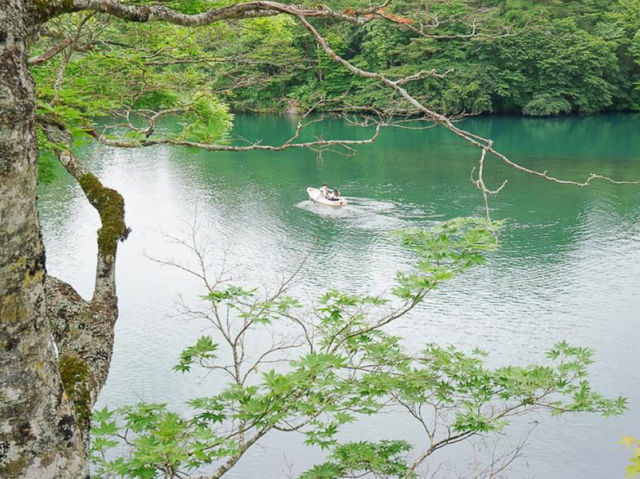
{"x":161,"y":13}
{"x":318,"y":144}
{"x":52,"y":52}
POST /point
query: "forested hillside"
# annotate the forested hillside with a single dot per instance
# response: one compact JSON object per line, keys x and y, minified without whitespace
{"x":516,"y":56}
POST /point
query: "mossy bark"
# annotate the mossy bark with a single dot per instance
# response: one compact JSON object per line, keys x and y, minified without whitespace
{"x":55,"y":347}
{"x":74,"y":374}
{"x":38,"y":429}
{"x":84,"y":330}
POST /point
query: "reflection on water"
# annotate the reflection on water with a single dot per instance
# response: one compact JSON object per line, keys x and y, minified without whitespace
{"x":568,"y":267}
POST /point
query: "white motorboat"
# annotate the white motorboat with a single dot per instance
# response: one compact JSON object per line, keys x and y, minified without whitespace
{"x":316,"y":195}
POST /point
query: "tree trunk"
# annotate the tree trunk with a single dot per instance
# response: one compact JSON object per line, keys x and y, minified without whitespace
{"x":83,"y":330}
{"x":39,"y":436}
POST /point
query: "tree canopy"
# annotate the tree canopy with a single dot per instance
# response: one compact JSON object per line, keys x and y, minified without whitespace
{"x":539,"y":59}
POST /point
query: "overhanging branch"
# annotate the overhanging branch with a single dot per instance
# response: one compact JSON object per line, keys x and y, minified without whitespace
{"x":161,"y":13}
{"x":318,"y":145}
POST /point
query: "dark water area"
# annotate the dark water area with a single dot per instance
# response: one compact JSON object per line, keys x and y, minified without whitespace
{"x":568,"y":266}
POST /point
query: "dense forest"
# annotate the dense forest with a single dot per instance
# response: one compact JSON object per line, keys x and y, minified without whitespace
{"x":535,"y":58}
{"x":532,"y":58}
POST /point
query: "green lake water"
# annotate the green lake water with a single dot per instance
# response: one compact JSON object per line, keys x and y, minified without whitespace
{"x":568,"y":266}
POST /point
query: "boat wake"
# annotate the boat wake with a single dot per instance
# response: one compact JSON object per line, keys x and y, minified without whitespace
{"x":368,"y":213}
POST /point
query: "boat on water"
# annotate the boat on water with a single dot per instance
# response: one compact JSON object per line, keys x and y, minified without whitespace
{"x":316,"y":195}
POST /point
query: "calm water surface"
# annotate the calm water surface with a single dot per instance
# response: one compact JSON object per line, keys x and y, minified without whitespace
{"x":569,"y":265}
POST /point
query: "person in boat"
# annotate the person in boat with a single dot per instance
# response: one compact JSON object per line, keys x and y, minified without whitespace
{"x":335,"y":194}
{"x":324,"y":191}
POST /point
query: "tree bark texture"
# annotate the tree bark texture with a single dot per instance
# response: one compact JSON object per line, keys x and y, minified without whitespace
{"x":38,"y":429}
{"x":55,"y":347}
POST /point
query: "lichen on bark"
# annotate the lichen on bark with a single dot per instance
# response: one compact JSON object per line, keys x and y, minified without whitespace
{"x":38,"y":430}
{"x":42,"y":10}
